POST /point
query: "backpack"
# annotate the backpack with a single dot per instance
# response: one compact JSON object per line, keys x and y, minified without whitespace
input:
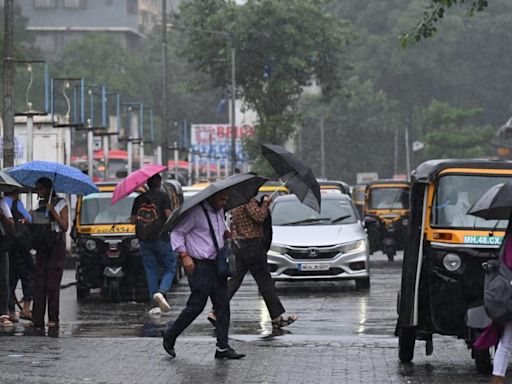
{"x":148,"y":225}
{"x":44,"y":238}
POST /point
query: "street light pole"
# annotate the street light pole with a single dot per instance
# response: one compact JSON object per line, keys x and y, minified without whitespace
{"x":232,"y":122}
{"x":165,"y":116}
{"x":233,"y":98}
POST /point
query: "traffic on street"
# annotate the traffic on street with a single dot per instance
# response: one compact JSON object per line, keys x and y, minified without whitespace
{"x":255,"y":191}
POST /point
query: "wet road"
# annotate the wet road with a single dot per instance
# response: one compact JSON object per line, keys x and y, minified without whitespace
{"x":326,"y":309}
{"x":343,"y":335}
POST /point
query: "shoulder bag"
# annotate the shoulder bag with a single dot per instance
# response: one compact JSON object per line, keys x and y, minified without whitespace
{"x":498,"y":290}
{"x":226,"y":259}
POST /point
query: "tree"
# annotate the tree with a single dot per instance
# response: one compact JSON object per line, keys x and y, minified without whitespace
{"x":136,"y":76}
{"x":450,"y":133}
{"x":281,"y":47}
{"x":359,"y":131}
{"x":433,"y":14}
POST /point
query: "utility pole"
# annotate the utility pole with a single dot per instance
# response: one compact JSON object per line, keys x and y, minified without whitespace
{"x":165,"y":116}
{"x":233,"y":98}
{"x":395,"y":165}
{"x":407,"y":151}
{"x":8,"y":115}
{"x":322,"y":148}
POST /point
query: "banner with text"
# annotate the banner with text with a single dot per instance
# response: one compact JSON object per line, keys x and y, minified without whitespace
{"x":213,"y":141}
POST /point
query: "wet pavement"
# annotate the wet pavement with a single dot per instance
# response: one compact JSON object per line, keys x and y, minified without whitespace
{"x":343,"y":336}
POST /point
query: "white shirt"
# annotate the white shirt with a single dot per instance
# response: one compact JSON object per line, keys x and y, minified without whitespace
{"x":58,"y":208}
{"x":5,"y":208}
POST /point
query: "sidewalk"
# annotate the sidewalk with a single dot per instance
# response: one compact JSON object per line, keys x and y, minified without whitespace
{"x":286,"y":359}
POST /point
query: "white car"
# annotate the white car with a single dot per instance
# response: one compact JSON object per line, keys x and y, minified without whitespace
{"x":328,"y":245}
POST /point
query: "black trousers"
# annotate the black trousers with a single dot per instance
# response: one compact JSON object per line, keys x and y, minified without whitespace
{"x":48,"y":276}
{"x":4,"y":282}
{"x":204,"y":283}
{"x":250,"y":256}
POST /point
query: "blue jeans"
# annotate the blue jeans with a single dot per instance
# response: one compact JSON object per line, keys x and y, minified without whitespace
{"x":155,"y":253}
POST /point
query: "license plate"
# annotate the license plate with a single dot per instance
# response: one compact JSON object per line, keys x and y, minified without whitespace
{"x":313,"y":267}
{"x":113,"y":254}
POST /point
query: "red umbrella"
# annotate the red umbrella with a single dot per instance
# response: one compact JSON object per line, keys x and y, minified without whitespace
{"x":135,"y":180}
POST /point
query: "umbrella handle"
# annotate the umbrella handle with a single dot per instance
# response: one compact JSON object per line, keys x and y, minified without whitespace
{"x":49,"y":201}
{"x":277,"y":189}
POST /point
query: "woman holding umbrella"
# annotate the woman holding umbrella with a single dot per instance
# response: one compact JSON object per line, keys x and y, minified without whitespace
{"x":50,"y":255}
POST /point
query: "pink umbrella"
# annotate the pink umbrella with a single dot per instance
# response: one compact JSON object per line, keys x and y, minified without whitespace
{"x":135,"y":180}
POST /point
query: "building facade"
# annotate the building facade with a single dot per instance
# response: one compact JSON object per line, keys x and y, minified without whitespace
{"x":55,"y":23}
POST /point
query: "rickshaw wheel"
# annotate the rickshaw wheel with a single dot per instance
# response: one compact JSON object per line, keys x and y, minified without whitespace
{"x":406,"y":341}
{"x":482,"y":360}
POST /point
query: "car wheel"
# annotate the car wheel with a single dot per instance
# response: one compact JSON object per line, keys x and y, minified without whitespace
{"x":406,"y":341}
{"x":363,"y":283}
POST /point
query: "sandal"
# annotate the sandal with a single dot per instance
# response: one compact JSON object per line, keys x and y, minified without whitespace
{"x":284,"y":321}
{"x":5,"y":322}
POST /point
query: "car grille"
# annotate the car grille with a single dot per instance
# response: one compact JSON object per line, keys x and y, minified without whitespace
{"x":311,"y":253}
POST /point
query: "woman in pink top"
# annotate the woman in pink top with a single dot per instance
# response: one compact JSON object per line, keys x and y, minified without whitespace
{"x":499,"y":332}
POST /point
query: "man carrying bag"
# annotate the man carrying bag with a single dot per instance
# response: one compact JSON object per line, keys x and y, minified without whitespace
{"x":194,"y":243}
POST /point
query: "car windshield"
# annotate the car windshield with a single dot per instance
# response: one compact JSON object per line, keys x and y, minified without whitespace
{"x":96,"y":208}
{"x":456,"y":194}
{"x":293,"y":212}
{"x":388,"y":198}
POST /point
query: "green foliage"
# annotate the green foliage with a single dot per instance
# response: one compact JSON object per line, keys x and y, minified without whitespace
{"x":433,"y":14}
{"x":137,"y":76}
{"x":100,"y":59}
{"x":359,"y":131}
{"x":450,"y":133}
{"x":280,"y":46}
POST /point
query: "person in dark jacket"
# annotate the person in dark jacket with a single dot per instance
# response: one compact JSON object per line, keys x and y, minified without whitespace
{"x":247,"y":221}
{"x":21,"y":264}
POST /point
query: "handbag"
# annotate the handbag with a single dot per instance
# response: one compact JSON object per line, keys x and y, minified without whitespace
{"x":226,"y":259}
{"x":498,"y":290}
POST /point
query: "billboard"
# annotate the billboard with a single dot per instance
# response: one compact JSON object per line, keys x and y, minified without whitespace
{"x":213,"y":141}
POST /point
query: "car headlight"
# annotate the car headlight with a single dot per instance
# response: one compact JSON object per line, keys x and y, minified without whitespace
{"x":134,"y":243}
{"x":356,"y":246}
{"x":278,"y":249}
{"x":452,"y":262}
{"x":90,"y":245}
{"x":405,"y":222}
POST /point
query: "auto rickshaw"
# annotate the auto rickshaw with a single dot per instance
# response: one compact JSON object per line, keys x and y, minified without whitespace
{"x":358,"y":198}
{"x":387,"y":204}
{"x":442,"y":274}
{"x":334,"y":185}
{"x":272,"y":188}
{"x":108,"y":251}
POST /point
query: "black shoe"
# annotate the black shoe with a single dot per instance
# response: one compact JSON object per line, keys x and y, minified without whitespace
{"x":228,"y":354}
{"x":169,"y":346}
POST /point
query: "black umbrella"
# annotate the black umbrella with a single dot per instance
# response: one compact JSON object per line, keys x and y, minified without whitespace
{"x":8,"y":183}
{"x":241,"y":188}
{"x":295,"y":174}
{"x":495,"y":204}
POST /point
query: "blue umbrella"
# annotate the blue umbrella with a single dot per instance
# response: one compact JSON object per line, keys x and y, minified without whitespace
{"x":65,"y":179}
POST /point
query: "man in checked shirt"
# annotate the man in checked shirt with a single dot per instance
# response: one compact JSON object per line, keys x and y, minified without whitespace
{"x":247,"y":221}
